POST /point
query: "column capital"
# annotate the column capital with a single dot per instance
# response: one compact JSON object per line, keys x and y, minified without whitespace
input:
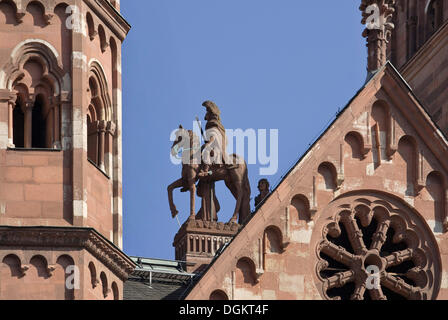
{"x":65,"y":96}
{"x":29,"y":104}
{"x":8,"y":95}
{"x":111,"y":128}
{"x":102,"y":125}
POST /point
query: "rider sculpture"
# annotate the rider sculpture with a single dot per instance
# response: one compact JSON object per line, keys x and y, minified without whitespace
{"x":215,"y":165}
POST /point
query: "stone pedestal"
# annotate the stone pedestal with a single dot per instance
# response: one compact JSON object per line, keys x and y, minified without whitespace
{"x":197,"y":242}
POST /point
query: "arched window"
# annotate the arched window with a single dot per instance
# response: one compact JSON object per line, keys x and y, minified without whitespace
{"x":100,"y":128}
{"x":434,"y":17}
{"x":35,"y":76}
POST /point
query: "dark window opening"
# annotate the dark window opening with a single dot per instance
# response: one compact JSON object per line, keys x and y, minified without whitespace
{"x":39,"y":126}
{"x":18,"y":127}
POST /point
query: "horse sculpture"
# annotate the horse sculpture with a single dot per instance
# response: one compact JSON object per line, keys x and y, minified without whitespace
{"x":235,"y":178}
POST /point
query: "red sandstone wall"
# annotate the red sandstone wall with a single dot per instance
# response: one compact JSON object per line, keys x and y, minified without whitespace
{"x":99,"y":211}
{"x":61,"y":188}
{"x":32,"y":188}
{"x":37,"y":283}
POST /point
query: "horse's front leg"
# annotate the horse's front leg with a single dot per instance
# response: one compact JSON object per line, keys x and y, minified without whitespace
{"x":171,"y":187}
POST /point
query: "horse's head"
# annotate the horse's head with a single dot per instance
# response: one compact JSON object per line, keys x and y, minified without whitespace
{"x":185,"y":139}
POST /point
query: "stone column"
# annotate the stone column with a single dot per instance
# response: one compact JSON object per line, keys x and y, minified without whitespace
{"x":6,"y":99}
{"x":108,"y":157}
{"x":56,"y":123}
{"x":28,"y":136}
{"x":102,"y":125}
{"x":11,"y":104}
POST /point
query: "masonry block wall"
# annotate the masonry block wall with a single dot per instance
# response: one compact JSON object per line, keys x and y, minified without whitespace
{"x":60,"y":119}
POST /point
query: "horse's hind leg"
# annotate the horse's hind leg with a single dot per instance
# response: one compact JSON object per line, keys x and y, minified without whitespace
{"x":192,"y":200}
{"x":171,"y":187}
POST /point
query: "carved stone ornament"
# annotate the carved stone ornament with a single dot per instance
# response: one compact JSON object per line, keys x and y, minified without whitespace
{"x":377,"y":17}
{"x":376,"y":248}
{"x":60,"y":237}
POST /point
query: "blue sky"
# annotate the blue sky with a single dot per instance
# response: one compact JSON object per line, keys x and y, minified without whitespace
{"x":286,"y":65}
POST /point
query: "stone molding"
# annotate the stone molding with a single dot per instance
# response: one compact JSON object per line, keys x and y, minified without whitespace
{"x":68,"y":237}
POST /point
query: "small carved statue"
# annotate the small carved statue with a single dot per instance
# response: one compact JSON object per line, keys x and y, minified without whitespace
{"x":263,"y":187}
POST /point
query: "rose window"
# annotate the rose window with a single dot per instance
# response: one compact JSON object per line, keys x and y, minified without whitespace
{"x":376,"y":253}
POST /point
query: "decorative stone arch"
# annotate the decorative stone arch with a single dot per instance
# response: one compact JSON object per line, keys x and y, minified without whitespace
{"x":93,"y":275}
{"x":104,"y":283}
{"x":97,"y":73}
{"x":44,"y":270}
{"x":67,"y":263}
{"x":301,"y":208}
{"x":37,"y":10}
{"x":9,"y":8}
{"x":91,"y":26}
{"x":329,"y":175}
{"x":409,"y":153}
{"x":43,"y":52}
{"x":355,"y":141}
{"x":437,"y":188}
{"x":115,"y":291}
{"x":16,"y":268}
{"x":372,"y":229}
{"x":101,"y":128}
{"x":218,"y":295}
{"x":48,"y":8}
{"x":246,"y":272}
{"x":104,"y":44}
{"x":272,"y":240}
{"x":46,"y":78}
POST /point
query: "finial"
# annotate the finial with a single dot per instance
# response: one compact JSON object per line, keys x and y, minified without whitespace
{"x":377,"y":17}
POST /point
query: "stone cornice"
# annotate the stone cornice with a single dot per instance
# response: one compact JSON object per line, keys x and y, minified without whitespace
{"x":67,"y":237}
{"x":110,"y":16}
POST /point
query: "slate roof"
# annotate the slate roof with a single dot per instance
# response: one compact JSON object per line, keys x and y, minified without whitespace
{"x":156,"y":279}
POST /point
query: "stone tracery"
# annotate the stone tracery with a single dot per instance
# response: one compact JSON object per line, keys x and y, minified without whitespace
{"x":376,"y":234}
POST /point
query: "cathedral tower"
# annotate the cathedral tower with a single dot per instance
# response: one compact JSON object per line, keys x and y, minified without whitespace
{"x":418,"y":49}
{"x":60,"y":150}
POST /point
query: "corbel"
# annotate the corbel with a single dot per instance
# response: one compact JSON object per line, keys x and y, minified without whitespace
{"x":23,"y":269}
{"x":51,"y":269}
{"x":48,"y":17}
{"x":111,"y":128}
{"x":19,"y":16}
